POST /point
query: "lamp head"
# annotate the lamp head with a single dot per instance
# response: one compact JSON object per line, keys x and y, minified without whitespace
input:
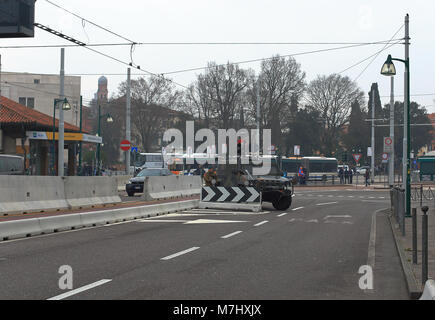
{"x":388,"y":69}
{"x":66,"y":105}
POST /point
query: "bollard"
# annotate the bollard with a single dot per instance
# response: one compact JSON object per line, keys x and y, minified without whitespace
{"x":414,"y":235}
{"x":421,"y":196}
{"x":424,"y":245}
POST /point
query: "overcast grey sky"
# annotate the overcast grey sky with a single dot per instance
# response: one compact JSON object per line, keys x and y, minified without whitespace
{"x":232,"y":21}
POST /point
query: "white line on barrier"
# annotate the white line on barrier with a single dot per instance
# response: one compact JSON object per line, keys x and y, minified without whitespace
{"x":231,"y":234}
{"x":81,"y":289}
{"x":322,"y":204}
{"x":260,"y":223}
{"x":180,"y":253}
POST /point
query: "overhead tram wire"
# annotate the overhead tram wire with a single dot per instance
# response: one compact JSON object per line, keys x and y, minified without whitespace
{"x":365,"y":59}
{"x":374,"y":58}
{"x":59,"y":34}
{"x":93,"y":23}
{"x":192,"y":43}
{"x":232,"y":63}
{"x":266,"y":59}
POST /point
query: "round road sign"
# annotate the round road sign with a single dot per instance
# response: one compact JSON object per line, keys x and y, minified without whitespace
{"x":125,"y":145}
{"x":388,"y":141}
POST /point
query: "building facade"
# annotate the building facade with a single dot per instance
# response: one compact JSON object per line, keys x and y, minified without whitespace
{"x":38,"y":91}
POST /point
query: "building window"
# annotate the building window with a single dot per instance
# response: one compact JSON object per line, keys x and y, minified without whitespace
{"x":36,"y":81}
{"x":31,"y":102}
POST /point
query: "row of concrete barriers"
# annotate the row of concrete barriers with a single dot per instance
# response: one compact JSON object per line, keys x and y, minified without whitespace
{"x":22,"y":194}
{"x":37,"y":226}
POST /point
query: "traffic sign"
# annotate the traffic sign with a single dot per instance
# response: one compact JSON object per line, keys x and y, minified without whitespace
{"x":357,"y":157}
{"x":134,"y":149}
{"x":385,"y":157}
{"x":388,"y":144}
{"x":125,"y":145}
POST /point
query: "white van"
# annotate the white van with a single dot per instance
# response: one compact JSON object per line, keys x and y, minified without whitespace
{"x":11,"y":164}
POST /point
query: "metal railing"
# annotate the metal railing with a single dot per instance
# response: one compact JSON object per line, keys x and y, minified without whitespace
{"x":397,"y":196}
{"x":422,"y":193}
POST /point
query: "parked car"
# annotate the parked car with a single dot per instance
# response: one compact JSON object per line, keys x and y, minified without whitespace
{"x":362,"y":170}
{"x":135,"y":184}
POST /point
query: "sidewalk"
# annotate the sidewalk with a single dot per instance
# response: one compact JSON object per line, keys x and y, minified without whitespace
{"x":405,"y":242}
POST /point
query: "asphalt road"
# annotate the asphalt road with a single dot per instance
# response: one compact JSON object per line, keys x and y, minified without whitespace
{"x":311,"y":251}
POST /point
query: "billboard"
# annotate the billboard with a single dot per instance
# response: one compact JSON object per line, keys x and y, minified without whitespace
{"x":17,"y":18}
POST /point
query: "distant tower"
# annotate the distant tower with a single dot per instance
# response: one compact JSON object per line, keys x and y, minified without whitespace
{"x":102,"y":89}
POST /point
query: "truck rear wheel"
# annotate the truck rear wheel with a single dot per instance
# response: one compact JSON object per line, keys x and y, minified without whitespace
{"x":283,"y":203}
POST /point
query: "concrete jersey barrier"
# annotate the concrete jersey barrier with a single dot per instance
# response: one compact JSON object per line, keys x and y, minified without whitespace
{"x":36,"y":226}
{"x":122,"y":180}
{"x":88,"y":191}
{"x":171,"y":187}
{"x":31,"y":194}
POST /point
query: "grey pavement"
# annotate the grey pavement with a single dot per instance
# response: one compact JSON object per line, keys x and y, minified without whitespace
{"x":311,"y":251}
{"x":406,"y":241}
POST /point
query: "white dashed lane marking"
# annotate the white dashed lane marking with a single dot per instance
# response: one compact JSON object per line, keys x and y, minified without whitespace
{"x":231,"y":234}
{"x":180,"y":253}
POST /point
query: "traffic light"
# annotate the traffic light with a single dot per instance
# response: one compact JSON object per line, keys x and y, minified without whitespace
{"x":239,"y":147}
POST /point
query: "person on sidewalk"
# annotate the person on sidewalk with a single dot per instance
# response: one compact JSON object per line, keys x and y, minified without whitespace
{"x":350,"y":175}
{"x":367,"y":176}
{"x":346,"y":176}
{"x":341,"y":175}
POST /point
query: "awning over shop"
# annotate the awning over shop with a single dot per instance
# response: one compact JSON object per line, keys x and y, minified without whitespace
{"x":68,"y":136}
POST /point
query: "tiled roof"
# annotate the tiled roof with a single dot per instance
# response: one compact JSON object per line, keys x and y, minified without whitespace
{"x":12,"y":112}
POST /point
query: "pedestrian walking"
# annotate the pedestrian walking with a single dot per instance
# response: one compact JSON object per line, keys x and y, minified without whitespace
{"x":341,"y":175}
{"x":367,"y":176}
{"x":350,"y":175}
{"x":346,"y":176}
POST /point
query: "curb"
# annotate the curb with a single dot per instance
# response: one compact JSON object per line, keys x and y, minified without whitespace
{"x":16,"y":229}
{"x":414,"y":289}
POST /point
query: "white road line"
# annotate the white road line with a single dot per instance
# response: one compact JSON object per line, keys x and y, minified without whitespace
{"x":322,"y":204}
{"x":260,"y":223}
{"x":231,"y":234}
{"x":81,"y":289}
{"x":372,"y":243}
{"x":283,"y":214}
{"x":179,"y":253}
{"x":297,"y":208}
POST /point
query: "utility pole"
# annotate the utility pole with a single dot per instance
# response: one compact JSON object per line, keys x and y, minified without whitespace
{"x":61,"y":118}
{"x":127,"y":124}
{"x":391,"y":163}
{"x":80,"y":143}
{"x":407,"y":127}
{"x":258,"y":115}
{"x":373,"y":135}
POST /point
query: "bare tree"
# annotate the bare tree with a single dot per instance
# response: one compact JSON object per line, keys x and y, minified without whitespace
{"x":152,"y":102}
{"x":217,"y":95}
{"x":333,"y":96}
{"x":281,"y":84}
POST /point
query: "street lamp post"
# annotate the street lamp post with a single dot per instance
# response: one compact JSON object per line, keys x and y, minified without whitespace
{"x":109,"y":120}
{"x":388,"y":69}
{"x":65,"y":106}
